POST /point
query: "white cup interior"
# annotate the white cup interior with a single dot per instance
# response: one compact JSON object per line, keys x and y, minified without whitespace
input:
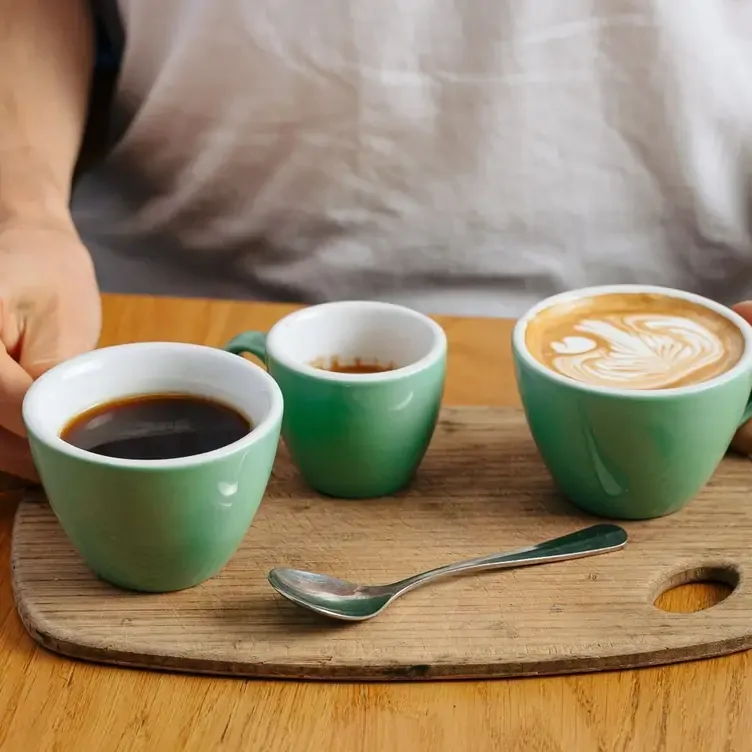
{"x":377,"y":332}
{"x":123,"y":371}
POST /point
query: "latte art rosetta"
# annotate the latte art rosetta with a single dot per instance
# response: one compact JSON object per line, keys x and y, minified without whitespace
{"x":636,"y":350}
{"x":635,"y":339}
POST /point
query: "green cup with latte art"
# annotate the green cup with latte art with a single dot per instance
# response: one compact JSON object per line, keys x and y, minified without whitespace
{"x":632,"y":393}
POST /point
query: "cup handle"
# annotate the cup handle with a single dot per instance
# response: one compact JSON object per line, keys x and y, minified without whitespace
{"x":253,"y":343}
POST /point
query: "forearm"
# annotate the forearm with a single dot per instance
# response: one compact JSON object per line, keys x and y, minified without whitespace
{"x":46,"y":49}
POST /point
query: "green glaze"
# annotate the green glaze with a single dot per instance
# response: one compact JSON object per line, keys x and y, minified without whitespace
{"x":354,"y":439}
{"x":628,"y":455}
{"x":156,"y":529}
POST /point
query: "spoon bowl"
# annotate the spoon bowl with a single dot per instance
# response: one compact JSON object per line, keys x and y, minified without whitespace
{"x":330,"y":596}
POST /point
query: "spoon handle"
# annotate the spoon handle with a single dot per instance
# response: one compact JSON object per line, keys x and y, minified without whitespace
{"x":598,"y":539}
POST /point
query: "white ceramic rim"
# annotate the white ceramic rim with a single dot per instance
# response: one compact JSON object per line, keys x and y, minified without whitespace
{"x":520,"y":330}
{"x":35,"y":422}
{"x":438,"y":348}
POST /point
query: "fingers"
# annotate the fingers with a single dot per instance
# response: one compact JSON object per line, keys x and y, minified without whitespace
{"x":51,"y":335}
{"x":53,"y":338}
{"x":15,"y":457}
{"x":744,"y":309}
{"x":14,"y":381}
{"x":742,"y":441}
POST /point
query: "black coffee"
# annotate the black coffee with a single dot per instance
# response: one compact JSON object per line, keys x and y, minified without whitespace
{"x":156,"y":427}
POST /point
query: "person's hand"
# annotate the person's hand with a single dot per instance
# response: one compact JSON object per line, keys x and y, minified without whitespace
{"x":742,"y":441}
{"x":49,"y":311}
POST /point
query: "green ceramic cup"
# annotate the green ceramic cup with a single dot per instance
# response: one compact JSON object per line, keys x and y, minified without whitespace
{"x":355,"y":435}
{"x":626,"y":453}
{"x":154,"y":525}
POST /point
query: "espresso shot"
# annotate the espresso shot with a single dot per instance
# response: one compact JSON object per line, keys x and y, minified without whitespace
{"x":353,"y":366}
{"x":156,"y":427}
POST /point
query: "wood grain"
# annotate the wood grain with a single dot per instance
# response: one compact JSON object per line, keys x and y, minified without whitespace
{"x":52,"y":703}
{"x":481,"y":489}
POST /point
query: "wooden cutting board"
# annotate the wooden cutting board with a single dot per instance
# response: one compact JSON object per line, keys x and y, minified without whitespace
{"x":481,"y":489}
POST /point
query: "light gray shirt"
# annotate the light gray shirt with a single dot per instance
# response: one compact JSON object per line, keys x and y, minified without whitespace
{"x":459,"y":156}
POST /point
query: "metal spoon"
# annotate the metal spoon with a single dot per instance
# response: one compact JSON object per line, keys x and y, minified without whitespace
{"x":340,"y":599}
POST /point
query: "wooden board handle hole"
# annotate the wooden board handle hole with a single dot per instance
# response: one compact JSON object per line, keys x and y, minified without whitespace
{"x":696,"y":588}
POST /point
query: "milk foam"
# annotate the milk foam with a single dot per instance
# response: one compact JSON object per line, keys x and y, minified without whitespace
{"x":634,"y":350}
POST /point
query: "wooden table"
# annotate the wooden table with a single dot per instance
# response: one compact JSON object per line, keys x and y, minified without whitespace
{"x":47,"y":702}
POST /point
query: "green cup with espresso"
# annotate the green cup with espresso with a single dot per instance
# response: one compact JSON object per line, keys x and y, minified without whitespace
{"x":362,"y":383}
{"x":632,"y":393}
{"x":154,"y":457}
